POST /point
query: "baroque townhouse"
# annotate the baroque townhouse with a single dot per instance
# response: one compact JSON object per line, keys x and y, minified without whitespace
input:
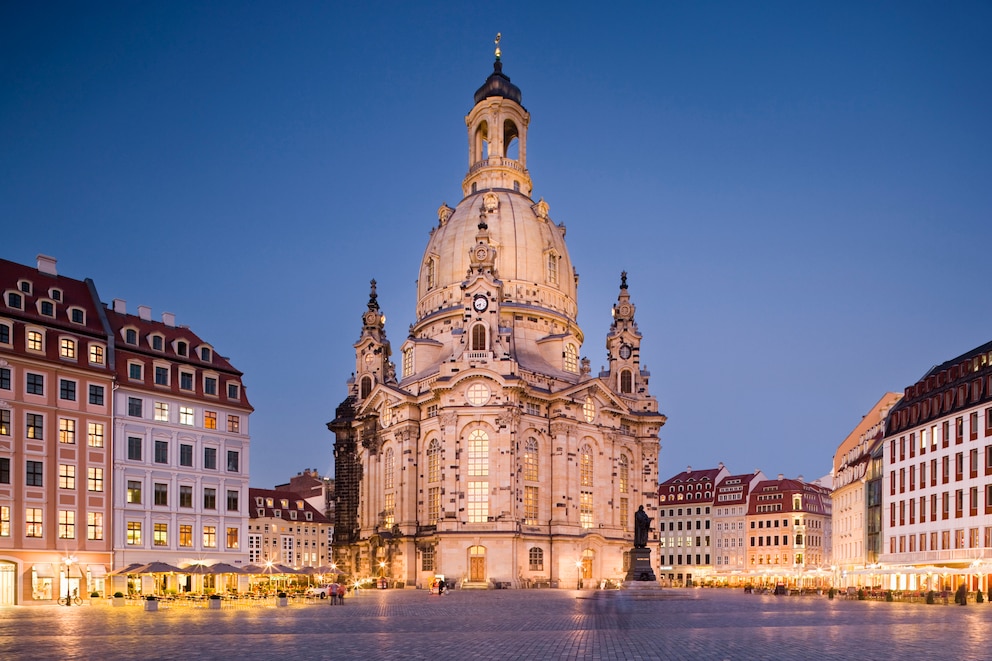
{"x":851,"y":470}
{"x":284,"y":528}
{"x":316,"y":490}
{"x":492,"y":454}
{"x":937,"y":456}
{"x":788,"y":530}
{"x":729,"y":522}
{"x":685,"y":519}
{"x":55,"y":436}
{"x":181,"y":447}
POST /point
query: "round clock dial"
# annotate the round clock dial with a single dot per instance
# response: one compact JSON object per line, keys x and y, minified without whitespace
{"x":625,"y":351}
{"x":480,"y":303}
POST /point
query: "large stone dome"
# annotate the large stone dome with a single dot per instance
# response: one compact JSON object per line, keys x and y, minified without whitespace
{"x":531,"y":259}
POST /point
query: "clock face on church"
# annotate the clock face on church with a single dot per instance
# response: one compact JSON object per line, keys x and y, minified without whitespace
{"x":480,"y":303}
{"x":625,"y":351}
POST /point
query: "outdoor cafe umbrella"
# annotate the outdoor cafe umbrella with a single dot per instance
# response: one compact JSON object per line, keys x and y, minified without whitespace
{"x":123,"y":571}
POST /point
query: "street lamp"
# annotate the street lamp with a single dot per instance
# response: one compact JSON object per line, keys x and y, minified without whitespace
{"x":69,"y":560}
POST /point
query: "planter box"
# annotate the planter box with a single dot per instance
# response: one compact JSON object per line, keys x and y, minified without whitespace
{"x":213,"y":603}
{"x":282,"y":601}
{"x":117,"y":601}
{"x":151,"y":605}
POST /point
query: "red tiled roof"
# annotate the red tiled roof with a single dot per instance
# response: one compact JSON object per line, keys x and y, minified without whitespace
{"x":293,"y":502}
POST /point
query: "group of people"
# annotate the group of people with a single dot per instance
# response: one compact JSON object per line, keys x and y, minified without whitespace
{"x":438,"y":585}
{"x":336,"y":594}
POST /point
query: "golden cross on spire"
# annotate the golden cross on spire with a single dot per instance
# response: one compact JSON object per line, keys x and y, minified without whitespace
{"x":499,"y":36}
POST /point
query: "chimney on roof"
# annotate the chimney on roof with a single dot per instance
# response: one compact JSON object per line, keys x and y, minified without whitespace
{"x":169,"y":319}
{"x":781,"y":477}
{"x":120,"y":305}
{"x":46,"y":265}
{"x":800,"y":478}
{"x":145,"y":312}
{"x":719,"y":466}
{"x":688,"y":469}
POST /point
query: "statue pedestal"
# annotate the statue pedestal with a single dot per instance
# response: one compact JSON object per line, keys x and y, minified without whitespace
{"x":640,"y":568}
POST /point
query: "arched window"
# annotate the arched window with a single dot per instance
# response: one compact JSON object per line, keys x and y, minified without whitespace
{"x":624,"y":471}
{"x":388,"y":469}
{"x":530,"y":460}
{"x":626,"y":382}
{"x":481,"y":142}
{"x":585,"y":466}
{"x":431,"y":273}
{"x":478,"y":454}
{"x":434,"y":461}
{"x":366,"y":386}
{"x":535,"y":559}
{"x":571,"y":358}
{"x":479,"y":337}
{"x":408,"y":362}
{"x":552,"y":268}
{"x":511,"y":146}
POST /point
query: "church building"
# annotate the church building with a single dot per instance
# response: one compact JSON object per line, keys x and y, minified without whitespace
{"x":492,"y":455}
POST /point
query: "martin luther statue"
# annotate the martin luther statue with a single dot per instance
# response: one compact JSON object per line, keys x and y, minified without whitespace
{"x":642,"y":524}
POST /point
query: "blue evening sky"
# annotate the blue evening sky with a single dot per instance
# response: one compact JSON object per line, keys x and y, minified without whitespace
{"x":799,"y":191}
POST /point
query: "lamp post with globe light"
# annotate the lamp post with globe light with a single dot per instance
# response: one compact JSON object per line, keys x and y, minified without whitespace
{"x":69,"y":561}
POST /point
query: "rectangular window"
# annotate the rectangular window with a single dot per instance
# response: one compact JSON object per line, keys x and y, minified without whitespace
{"x":161,"y":494}
{"x":185,"y":535}
{"x":134,"y":448}
{"x":4,"y":422}
{"x":94,"y":525}
{"x":209,"y":386}
{"x":186,"y":415}
{"x":134,"y":533}
{"x":209,"y":420}
{"x":67,"y":431}
{"x":67,"y":390}
{"x":4,"y":375}
{"x":134,"y":407}
{"x":958,"y":503}
{"x":96,"y":395}
{"x":160,"y":534}
{"x":36,"y":384}
{"x":67,"y":476}
{"x":34,"y":522}
{"x":162,"y":411}
{"x":161,"y":376}
{"x":4,"y":334}
{"x":185,"y":496}
{"x":4,"y":470}
{"x":232,"y":500}
{"x":210,"y":458}
{"x":232,"y":461}
{"x":585,"y":509}
{"x":209,"y":537}
{"x":134,"y":492}
{"x":185,"y":454}
{"x":94,"y":434}
{"x":433,"y":505}
{"x":427,"y":559}
{"x":185,"y":381}
{"x":134,"y":371}
{"x":209,"y":498}
{"x":530,"y":506}
{"x":67,"y":524}
{"x":973,"y":426}
{"x":477,"y":502}
{"x":973,"y":463}
{"x":96,"y":354}
{"x":958,"y":466}
{"x":34,"y":474}
{"x":94,"y":479}
{"x":35,"y":341}
{"x":35,"y":426}
{"x":232,"y":391}
{"x":234,"y":424}
{"x":161,"y":452}
{"x":232,"y":538}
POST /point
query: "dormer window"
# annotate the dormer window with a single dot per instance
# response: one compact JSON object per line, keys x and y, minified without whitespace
{"x":77,"y":315}
{"x":261,"y":512}
{"x":292,"y":515}
{"x":206,"y":355}
{"x":24,"y":286}
{"x":232,"y":391}
{"x":309,"y":516}
{"x":259,"y":500}
{"x":182,"y":348}
{"x":299,"y":504}
{"x":277,"y":513}
{"x":131,"y":336}
{"x":55,"y":294}
{"x":46,"y":308}
{"x":158,"y":342}
{"x":268,"y":502}
{"x":15,"y":300}
{"x":284,"y":502}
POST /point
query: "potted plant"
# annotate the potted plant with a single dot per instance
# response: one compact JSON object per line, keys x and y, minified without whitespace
{"x":214,"y":601}
{"x":282,"y":599}
{"x":979,"y":598}
{"x":118,"y":598}
{"x":151,"y":603}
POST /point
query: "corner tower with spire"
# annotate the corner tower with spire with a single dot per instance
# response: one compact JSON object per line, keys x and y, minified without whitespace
{"x":492,"y":454}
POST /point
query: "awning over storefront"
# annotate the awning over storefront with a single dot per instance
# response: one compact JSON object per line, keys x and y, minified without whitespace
{"x":97,"y":571}
{"x":44,"y":570}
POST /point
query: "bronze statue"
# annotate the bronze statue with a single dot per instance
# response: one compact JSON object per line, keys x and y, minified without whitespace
{"x":642,"y":524}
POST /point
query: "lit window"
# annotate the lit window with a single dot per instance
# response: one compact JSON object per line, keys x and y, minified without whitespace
{"x":530,"y":505}
{"x":67,"y":348}
{"x":478,"y":453}
{"x":477,"y":502}
{"x":35,"y":342}
{"x":33,"y":521}
{"x":433,"y":505}
{"x":94,"y":434}
{"x":185,"y":535}
{"x":210,"y":420}
{"x":388,"y":469}
{"x":589,"y":410}
{"x":134,"y":492}
{"x":585,"y":466}
{"x":161,"y":534}
{"x":624,"y":472}
{"x":408,"y":362}
{"x":67,"y":431}
{"x":434,"y":461}
{"x":134,"y":533}
{"x":585,"y":509}
{"x":232,"y":538}
{"x":185,"y":415}
{"x":94,"y":525}
{"x":530,"y":460}
{"x":96,"y":354}
{"x":234,"y":424}
{"x":209,"y":537}
{"x":162,"y":411}
{"x":94,"y":479}
{"x":67,"y":524}
{"x":35,"y":426}
{"x":4,"y":422}
{"x":67,"y":476}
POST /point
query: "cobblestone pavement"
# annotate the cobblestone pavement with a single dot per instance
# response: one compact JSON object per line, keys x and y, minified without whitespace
{"x":510,"y":624}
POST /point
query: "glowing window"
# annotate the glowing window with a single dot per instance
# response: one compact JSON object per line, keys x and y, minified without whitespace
{"x":478,"y":394}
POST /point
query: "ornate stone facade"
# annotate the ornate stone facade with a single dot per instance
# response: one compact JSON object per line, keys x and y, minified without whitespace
{"x":490,"y":454}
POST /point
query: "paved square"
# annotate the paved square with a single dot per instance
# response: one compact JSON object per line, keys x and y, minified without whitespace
{"x":509,"y":624}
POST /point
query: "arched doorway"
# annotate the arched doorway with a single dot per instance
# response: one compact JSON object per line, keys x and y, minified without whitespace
{"x":587,"y":557}
{"x":477,"y":563}
{"x":8,"y":583}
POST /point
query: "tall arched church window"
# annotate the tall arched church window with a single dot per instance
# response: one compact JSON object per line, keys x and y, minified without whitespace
{"x":530,"y":460}
{"x":479,"y":337}
{"x":366,"y":386}
{"x":434,"y":461}
{"x":571,"y":358}
{"x":624,"y":471}
{"x":431,"y":273}
{"x":408,"y":362}
{"x":388,"y":469}
{"x":585,"y":466}
{"x":589,"y":409}
{"x":552,"y":267}
{"x":626,"y":382}
{"x":478,"y":453}
{"x":481,"y":142}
